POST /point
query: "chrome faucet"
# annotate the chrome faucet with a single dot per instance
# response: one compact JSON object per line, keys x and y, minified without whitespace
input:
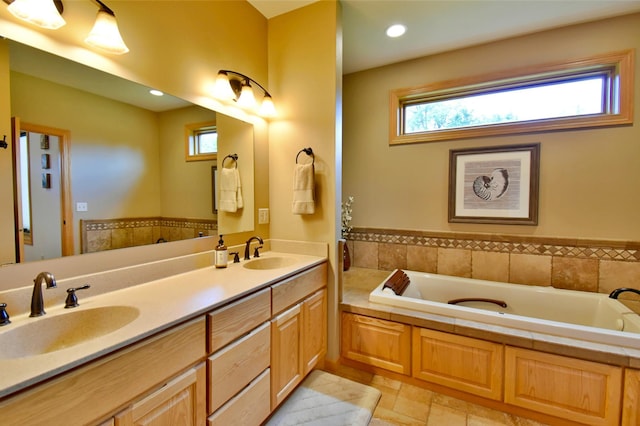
{"x":246,"y":249}
{"x":37,"y":302}
{"x":615,"y":293}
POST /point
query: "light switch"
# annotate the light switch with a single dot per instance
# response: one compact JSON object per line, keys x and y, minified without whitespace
{"x":82,"y":207}
{"x":263,"y":216}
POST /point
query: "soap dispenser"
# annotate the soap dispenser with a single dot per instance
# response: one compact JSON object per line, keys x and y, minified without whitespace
{"x":222,"y":254}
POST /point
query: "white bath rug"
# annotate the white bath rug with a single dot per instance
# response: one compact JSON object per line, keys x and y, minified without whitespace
{"x":324,"y":399}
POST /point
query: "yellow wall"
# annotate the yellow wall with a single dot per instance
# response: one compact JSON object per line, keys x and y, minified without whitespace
{"x":7,"y":251}
{"x":304,"y":74}
{"x":588,"y":178}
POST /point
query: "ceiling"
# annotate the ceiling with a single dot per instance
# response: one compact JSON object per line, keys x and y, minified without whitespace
{"x":435,"y":26}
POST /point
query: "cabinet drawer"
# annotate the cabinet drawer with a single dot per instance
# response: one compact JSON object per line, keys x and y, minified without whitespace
{"x":458,"y":362}
{"x":293,"y":290}
{"x":235,"y":366}
{"x":232,"y":321}
{"x":581,"y":391}
{"x":249,"y":407}
{"x":377,"y":342}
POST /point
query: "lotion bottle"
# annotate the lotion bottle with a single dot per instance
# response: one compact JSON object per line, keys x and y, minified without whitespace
{"x":222,"y":254}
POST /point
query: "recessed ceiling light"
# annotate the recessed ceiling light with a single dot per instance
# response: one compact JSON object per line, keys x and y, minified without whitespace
{"x":155,"y":92}
{"x":396,"y":30}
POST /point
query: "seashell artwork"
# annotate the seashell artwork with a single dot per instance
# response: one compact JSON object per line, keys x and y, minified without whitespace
{"x":492,"y":187}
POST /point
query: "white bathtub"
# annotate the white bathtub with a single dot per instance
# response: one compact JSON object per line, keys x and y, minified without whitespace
{"x":575,"y":314}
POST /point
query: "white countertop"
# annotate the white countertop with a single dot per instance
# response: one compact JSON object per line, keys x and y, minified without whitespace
{"x":162,"y":304}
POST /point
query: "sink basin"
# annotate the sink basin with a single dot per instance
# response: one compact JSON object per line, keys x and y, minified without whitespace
{"x":53,"y":333}
{"x":263,"y":263}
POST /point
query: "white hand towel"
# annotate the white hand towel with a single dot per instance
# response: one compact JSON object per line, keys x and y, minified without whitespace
{"x":230,"y":191}
{"x":303,"y":189}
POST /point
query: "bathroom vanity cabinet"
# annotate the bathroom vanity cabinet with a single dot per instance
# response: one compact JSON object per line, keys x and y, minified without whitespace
{"x":298,"y":330}
{"x":220,"y":368}
{"x":576,"y":390}
{"x":159,"y":368}
{"x":238,"y":365}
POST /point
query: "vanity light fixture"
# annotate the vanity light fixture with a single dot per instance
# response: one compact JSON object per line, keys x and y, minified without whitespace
{"x":239,"y":89}
{"x":105,"y":34}
{"x":43,"y":13}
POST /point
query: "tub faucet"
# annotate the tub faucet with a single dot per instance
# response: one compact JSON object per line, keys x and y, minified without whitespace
{"x":37,"y":302}
{"x":246,"y":249}
{"x":615,"y":293}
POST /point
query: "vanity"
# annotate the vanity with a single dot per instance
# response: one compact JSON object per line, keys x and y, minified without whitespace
{"x":206,"y":346}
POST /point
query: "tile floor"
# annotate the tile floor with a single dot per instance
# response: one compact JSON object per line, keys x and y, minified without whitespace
{"x":405,"y":404}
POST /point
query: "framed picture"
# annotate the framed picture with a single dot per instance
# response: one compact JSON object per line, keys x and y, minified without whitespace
{"x":46,"y":180}
{"x":214,"y":189}
{"x":494,"y":185}
{"x":44,"y":141}
{"x":44,"y":159}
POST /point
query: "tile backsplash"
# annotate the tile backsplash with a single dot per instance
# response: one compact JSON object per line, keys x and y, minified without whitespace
{"x":568,"y":263}
{"x":107,"y":234}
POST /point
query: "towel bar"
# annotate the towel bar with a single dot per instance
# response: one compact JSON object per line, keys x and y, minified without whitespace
{"x":234,"y":157}
{"x":307,"y":151}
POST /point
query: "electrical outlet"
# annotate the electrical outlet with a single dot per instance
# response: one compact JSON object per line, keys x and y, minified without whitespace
{"x":263,"y":216}
{"x":82,"y":207}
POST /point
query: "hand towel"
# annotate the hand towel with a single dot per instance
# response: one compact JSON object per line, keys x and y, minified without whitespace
{"x":230,"y":191}
{"x":303,"y":189}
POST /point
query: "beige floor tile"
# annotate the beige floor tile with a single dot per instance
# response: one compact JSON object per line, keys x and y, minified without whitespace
{"x":412,"y":408}
{"x":385,"y":381}
{"x":399,"y":419}
{"x":442,"y":415}
{"x":415,"y":393}
{"x":482,"y":421}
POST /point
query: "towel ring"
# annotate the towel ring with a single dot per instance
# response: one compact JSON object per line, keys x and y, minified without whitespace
{"x":234,"y":157}
{"x":307,"y":151}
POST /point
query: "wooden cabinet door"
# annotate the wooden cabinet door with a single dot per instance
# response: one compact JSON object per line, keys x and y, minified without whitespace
{"x":376,"y":342}
{"x":182,"y":401}
{"x":459,"y":362}
{"x":631,"y":401}
{"x":286,"y":362}
{"x":314,"y":329}
{"x":581,"y":391}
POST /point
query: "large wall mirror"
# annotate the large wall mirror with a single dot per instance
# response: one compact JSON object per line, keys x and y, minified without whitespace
{"x":131,"y":181}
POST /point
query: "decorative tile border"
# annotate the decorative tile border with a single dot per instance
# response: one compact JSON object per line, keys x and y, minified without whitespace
{"x":502,"y":243}
{"x":106,"y":234}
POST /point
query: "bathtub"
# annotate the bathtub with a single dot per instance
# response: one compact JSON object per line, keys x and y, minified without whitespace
{"x":574,"y":314}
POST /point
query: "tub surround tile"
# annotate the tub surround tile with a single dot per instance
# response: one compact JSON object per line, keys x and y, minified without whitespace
{"x":455,"y":262}
{"x":365,"y":254}
{"x":486,"y":265}
{"x":575,"y":274}
{"x":494,"y":333}
{"x":615,"y":274}
{"x":530,"y":269}
{"x":606,"y":354}
{"x":392,"y":256}
{"x":423,"y":259}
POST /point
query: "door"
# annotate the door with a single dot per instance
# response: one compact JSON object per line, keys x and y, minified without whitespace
{"x":42,"y":189}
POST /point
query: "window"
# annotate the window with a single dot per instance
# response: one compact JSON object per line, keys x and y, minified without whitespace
{"x":201,"y":141}
{"x":586,"y":93}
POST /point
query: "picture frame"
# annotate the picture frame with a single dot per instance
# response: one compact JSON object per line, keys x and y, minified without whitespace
{"x":45,"y":161}
{"x":46,"y":180}
{"x":44,"y":141}
{"x":214,"y":189}
{"x":497,"y":185}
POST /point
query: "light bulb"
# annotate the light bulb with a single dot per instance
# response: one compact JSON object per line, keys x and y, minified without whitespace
{"x":267,"y":109}
{"x":222,"y":89}
{"x":247,"y":99}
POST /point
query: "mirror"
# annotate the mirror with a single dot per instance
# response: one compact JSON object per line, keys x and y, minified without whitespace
{"x":129,"y":177}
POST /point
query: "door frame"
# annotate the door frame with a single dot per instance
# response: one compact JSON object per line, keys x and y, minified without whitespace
{"x":66,"y":211}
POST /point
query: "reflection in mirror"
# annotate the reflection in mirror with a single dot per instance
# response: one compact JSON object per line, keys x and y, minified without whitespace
{"x":131,"y":183}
